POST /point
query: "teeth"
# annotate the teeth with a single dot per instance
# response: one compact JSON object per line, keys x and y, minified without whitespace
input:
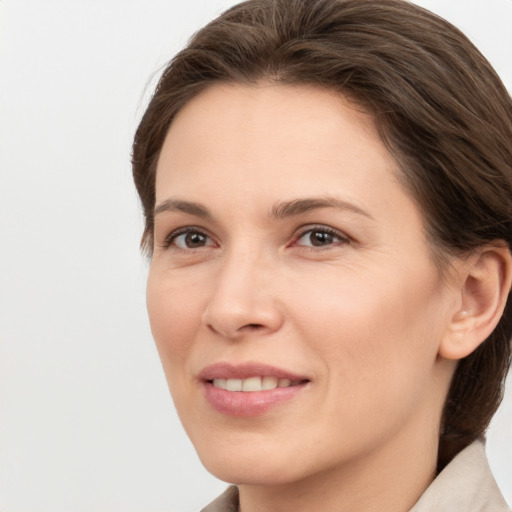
{"x":253,"y":384}
{"x":219,"y":383}
{"x":269,"y":383}
{"x":234,"y":385}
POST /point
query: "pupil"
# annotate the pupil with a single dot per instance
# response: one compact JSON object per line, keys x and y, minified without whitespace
{"x":195,"y":240}
{"x":321,"y":238}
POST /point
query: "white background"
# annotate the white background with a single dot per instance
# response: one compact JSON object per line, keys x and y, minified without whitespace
{"x":86,"y":420}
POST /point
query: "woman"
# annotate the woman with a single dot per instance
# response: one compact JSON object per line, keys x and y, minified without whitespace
{"x":326,"y":187}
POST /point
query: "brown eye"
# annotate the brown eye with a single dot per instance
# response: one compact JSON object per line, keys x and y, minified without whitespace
{"x":320,"y":237}
{"x":191,"y":240}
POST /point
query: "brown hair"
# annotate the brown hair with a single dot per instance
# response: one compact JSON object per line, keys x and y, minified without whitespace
{"x":441,"y":110}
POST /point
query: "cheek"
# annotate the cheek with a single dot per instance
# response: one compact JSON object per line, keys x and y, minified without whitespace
{"x":378,"y":332}
{"x":377,"y":348}
{"x":174,"y":311}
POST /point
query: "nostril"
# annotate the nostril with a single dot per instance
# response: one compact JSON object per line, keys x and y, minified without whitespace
{"x":247,"y":328}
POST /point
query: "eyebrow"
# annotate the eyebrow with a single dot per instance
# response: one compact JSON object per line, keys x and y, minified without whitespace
{"x":280,"y":210}
{"x":301,"y":206}
{"x":177,"y":205}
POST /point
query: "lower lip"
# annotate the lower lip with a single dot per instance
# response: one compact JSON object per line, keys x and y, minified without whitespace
{"x":248,"y":403}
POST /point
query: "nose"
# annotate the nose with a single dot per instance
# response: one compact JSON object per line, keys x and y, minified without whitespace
{"x":244,"y":299}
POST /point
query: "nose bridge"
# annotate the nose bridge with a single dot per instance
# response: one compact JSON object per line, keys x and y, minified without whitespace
{"x":244,"y":298}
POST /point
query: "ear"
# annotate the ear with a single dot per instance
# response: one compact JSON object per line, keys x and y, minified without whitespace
{"x":485,"y":281}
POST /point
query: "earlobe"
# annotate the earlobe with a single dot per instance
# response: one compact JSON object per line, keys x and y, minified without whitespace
{"x":485,"y":282}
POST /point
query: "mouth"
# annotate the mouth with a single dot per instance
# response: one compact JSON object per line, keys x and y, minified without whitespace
{"x":249,"y":389}
{"x":254,"y":384}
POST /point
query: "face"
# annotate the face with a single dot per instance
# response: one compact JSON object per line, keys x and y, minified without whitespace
{"x":292,"y":295}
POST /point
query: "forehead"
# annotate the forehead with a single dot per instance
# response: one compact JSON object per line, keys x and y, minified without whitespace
{"x":244,"y":132}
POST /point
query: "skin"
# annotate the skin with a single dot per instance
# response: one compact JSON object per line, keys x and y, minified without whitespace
{"x":363,"y":315}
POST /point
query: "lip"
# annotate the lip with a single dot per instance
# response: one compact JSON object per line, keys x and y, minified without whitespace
{"x":225,"y":370}
{"x":247,"y":404}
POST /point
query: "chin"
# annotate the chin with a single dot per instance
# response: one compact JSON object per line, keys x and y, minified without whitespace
{"x":249,"y":461}
{"x":253,"y":471}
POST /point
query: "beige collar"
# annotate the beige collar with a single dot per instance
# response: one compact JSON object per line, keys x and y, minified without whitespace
{"x":466,"y":484}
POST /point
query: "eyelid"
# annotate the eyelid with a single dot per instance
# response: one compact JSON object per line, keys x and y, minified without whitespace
{"x":343,"y":238}
{"x":169,"y":239}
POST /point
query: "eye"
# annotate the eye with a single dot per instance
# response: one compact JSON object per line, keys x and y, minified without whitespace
{"x":320,"y":237}
{"x":188,"y":238}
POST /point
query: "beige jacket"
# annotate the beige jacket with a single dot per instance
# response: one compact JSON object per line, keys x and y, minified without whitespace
{"x":465,"y":485}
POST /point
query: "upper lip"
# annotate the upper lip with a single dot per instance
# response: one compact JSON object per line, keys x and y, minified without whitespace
{"x":224,"y":370}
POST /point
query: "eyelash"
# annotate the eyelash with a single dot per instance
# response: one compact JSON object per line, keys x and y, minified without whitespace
{"x":342,"y":239}
{"x":171,"y":238}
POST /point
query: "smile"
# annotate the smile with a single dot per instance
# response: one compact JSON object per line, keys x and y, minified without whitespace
{"x":249,"y":389}
{"x":253,"y":384}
